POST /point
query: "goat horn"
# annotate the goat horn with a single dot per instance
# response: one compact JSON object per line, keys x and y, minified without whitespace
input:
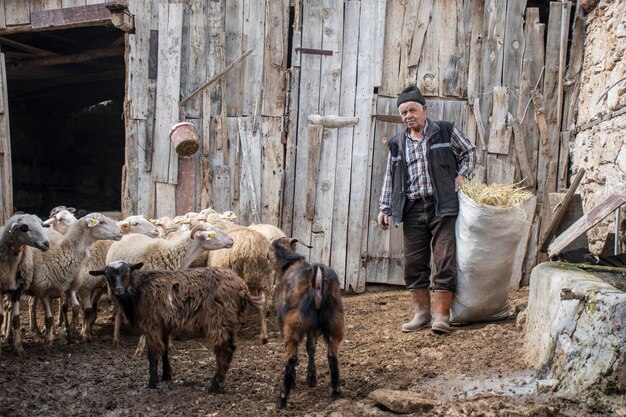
{"x":304,"y":244}
{"x":196,"y":228}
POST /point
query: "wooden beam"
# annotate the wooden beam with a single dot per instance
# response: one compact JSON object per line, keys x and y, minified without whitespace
{"x":216,"y":77}
{"x":560,"y":212}
{"x":332,"y":121}
{"x":71,"y":59}
{"x":606,"y":207}
{"x":70,"y":17}
{"x":24,"y":47}
{"x":520,"y":152}
{"x":314,"y":136}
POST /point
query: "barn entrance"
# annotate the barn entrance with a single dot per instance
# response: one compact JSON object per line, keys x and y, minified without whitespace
{"x":65,"y":91}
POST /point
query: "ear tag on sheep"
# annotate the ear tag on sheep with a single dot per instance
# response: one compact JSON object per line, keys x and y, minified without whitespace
{"x":212,"y":235}
{"x":92,"y":222}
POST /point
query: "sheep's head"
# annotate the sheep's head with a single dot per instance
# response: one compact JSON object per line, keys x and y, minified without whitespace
{"x":61,"y":220}
{"x":61,"y":208}
{"x":117,"y":274}
{"x":27,"y":230}
{"x":210,"y":238}
{"x":138,"y":224}
{"x":101,"y":227}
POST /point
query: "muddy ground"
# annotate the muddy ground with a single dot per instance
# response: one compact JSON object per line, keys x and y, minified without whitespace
{"x":478,"y":370}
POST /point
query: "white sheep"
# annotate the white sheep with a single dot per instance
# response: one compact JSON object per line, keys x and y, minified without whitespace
{"x":19,"y":231}
{"x":269,"y":231}
{"x":90,"y":287}
{"x":50,"y":274}
{"x":165,"y":254}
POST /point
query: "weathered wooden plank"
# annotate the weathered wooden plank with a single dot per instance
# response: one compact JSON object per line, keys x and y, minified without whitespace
{"x":165,"y":159}
{"x":130,"y":168}
{"x":518,"y":271}
{"x":145,"y":185}
{"x":330,"y":84}
{"x":138,"y":56}
{"x":17,"y":12}
{"x":563,"y":172}
{"x":596,"y":215}
{"x":513,"y":50}
{"x":574,"y":68}
{"x":499,"y":171}
{"x":272,"y":180}
{"x":532,"y":70}
{"x":382,"y":265}
{"x":421,"y":27}
{"x":521,"y":155}
{"x":38,"y":5}
{"x":253,"y":28}
{"x":72,"y":3}
{"x":427,"y":79}
{"x":343,"y":167}
{"x":555,"y":221}
{"x":564,"y":32}
{"x":362,"y":152}
{"x":222,"y":186}
{"x":250,"y":143}
{"x":6,"y":180}
{"x":455,"y":111}
{"x":464,"y":35}
{"x":492,"y":59}
{"x":194,"y":73}
{"x":312,"y":27}
{"x":290,"y":152}
{"x":165,"y":199}
{"x":475,"y":56}
{"x":275,"y":58}
{"x":407,"y":33}
{"x":449,"y":55}
{"x":92,"y":15}
{"x":549,"y":148}
{"x":314,"y":140}
{"x":500,"y":134}
{"x":216,"y":21}
{"x":3,"y":20}
{"x":393,"y":48}
{"x":234,"y":46}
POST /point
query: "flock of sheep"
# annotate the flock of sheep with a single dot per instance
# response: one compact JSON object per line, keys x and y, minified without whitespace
{"x":193,"y":275}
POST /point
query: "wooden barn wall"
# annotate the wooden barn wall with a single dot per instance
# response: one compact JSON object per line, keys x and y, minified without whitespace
{"x":483,"y":64}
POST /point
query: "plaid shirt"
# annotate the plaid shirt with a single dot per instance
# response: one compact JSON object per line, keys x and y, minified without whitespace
{"x":416,"y":151}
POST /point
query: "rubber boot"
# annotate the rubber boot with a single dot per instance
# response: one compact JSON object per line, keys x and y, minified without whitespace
{"x":441,"y":311}
{"x":420,"y":298}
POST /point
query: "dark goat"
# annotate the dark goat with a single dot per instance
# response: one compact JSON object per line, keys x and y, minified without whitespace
{"x":308,"y":302}
{"x":202,"y":301}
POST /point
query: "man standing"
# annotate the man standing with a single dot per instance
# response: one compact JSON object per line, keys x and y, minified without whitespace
{"x":426,"y":165}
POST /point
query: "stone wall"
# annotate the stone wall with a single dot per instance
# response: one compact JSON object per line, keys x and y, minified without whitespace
{"x":601,"y":149}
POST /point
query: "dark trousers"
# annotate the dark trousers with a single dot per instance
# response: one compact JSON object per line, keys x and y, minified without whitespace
{"x":429,"y":238}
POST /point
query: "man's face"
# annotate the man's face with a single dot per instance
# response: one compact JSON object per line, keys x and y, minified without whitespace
{"x":413,"y":115}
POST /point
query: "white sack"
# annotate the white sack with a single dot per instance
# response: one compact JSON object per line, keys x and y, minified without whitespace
{"x":487,"y":239}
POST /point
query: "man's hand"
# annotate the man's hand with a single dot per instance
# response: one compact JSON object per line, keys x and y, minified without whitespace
{"x":383,"y":220}
{"x":457,"y":182}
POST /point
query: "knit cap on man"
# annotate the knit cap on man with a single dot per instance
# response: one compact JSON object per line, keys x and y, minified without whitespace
{"x":411,"y":93}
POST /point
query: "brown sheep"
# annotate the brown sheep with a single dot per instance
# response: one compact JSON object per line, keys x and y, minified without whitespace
{"x":203,"y":301}
{"x":308,"y":302}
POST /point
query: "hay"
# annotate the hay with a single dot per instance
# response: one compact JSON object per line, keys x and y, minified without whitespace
{"x":497,"y":195}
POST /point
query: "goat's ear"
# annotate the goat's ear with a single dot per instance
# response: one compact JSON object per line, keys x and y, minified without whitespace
{"x":293,"y":241}
{"x":96,"y":273}
{"x":135,"y":266}
{"x":71,"y":209}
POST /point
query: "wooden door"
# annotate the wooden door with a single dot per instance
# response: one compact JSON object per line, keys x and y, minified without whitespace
{"x":6,"y":176}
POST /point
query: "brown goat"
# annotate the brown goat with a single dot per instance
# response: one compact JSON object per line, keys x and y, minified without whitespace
{"x":308,"y":302}
{"x":203,"y":301}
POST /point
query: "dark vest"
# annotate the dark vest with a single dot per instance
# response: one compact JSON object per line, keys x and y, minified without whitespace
{"x":442,"y":167}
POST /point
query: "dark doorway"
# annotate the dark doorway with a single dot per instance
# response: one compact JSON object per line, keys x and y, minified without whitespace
{"x":66,"y":92}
